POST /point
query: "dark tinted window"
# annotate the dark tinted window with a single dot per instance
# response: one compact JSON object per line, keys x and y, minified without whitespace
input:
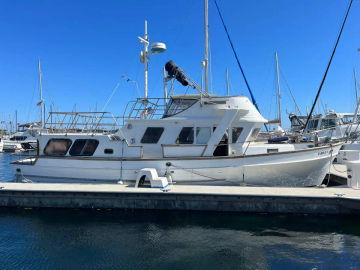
{"x":108,"y":151}
{"x":236,"y":131}
{"x":18,"y":138}
{"x":186,"y":136}
{"x":84,"y":147}
{"x":57,"y":147}
{"x":152,"y":135}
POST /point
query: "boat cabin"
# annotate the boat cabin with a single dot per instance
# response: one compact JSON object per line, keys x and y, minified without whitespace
{"x":189,"y":126}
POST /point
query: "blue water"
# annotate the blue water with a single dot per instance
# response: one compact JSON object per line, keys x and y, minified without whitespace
{"x":108,"y":239}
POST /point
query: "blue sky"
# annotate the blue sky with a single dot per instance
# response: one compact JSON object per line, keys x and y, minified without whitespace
{"x":85,"y":47}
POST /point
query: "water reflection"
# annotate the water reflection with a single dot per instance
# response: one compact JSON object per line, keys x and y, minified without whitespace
{"x":108,"y":239}
{"x":162,"y":240}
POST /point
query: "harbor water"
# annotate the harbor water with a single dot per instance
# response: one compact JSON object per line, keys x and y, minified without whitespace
{"x":109,"y":239}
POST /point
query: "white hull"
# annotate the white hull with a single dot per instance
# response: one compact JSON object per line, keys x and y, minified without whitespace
{"x":10,"y":146}
{"x":298,"y":168}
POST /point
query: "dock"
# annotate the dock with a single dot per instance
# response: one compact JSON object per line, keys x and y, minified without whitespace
{"x":315,"y":200}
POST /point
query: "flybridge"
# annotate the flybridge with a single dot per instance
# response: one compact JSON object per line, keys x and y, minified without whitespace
{"x":106,"y":122}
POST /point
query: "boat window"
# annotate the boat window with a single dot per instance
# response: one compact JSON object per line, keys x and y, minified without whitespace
{"x":108,"y":151}
{"x":255,"y":133}
{"x":57,"y":147}
{"x":18,"y":138}
{"x":152,"y":135}
{"x":272,"y":150}
{"x":328,"y":123}
{"x":178,"y":105}
{"x":115,"y":138}
{"x":235,"y":134}
{"x":186,"y":136}
{"x":203,"y":135}
{"x":313,"y":124}
{"x":84,"y":147}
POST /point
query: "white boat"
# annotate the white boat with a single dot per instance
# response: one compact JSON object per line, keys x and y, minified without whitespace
{"x":1,"y":144}
{"x":193,"y":139}
{"x":20,"y":141}
{"x":202,"y":140}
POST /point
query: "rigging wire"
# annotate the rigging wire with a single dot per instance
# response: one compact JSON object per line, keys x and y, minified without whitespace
{"x":290,"y":91}
{"x":329,"y":64}
{"x":111,"y":96}
{"x":237,"y":60}
{"x":236,"y":56}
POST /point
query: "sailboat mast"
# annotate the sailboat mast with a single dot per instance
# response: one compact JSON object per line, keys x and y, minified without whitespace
{"x":227,"y":82}
{"x":146,"y":68}
{"x":41,"y":102}
{"x":278,"y":89}
{"x":206,"y":53}
{"x":356,"y":86}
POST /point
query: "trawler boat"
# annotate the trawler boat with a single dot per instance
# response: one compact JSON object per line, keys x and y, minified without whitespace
{"x":330,"y":126}
{"x":20,"y":141}
{"x":198,"y":140}
{"x":187,"y":139}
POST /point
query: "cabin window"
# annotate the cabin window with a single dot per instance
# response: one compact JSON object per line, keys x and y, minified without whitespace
{"x":203,"y":135}
{"x":84,"y":147}
{"x":108,"y":151}
{"x":272,"y":150}
{"x":186,"y":136}
{"x":18,"y":138}
{"x":57,"y":147}
{"x":152,"y":135}
{"x":235,"y":133}
{"x":255,"y":133}
{"x":328,"y":123}
{"x":313,"y":124}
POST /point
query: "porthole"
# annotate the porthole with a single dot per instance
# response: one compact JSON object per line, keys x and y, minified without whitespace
{"x":108,"y":151}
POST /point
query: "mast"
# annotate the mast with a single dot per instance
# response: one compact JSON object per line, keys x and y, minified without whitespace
{"x":41,"y":101}
{"x":206,"y":52}
{"x":16,"y":121}
{"x":356,"y":86}
{"x":165,"y":86}
{"x":278,"y":89}
{"x":227,"y":83}
{"x":146,"y":66}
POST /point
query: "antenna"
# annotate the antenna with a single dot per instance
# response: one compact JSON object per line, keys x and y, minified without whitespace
{"x":157,"y":47}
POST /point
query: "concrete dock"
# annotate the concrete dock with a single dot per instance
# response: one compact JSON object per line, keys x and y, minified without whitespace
{"x":342,"y":201}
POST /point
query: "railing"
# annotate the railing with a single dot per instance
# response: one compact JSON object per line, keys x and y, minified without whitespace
{"x":82,"y":122}
{"x":105,"y":122}
{"x":150,"y":108}
{"x":156,"y":108}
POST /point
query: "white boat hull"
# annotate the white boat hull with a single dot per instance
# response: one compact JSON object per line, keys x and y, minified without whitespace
{"x":299,"y":168}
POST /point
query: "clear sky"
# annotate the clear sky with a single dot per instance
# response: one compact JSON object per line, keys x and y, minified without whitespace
{"x":85,"y":47}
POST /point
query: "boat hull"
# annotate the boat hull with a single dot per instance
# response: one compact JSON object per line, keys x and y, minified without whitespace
{"x":299,"y":168}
